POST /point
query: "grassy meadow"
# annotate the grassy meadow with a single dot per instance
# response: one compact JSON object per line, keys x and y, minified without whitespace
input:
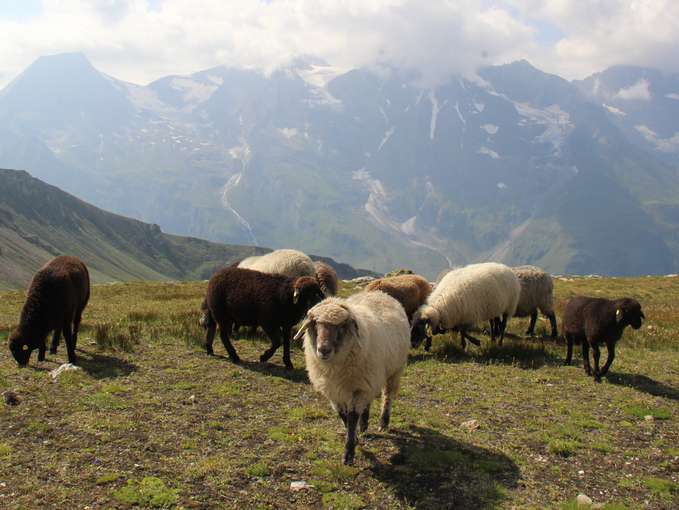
{"x":153,"y":422}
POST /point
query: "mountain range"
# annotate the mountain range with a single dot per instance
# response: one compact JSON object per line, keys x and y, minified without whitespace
{"x":512,"y":164}
{"x":39,"y":221}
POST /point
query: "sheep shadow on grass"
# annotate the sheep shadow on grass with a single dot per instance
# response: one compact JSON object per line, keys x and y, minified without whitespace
{"x":102,"y":366}
{"x":434,"y":471}
{"x":643,"y":383}
{"x":524,"y":353}
{"x":273,"y":369}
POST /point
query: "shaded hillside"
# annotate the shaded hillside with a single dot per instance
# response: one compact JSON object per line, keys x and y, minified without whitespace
{"x":39,"y":221}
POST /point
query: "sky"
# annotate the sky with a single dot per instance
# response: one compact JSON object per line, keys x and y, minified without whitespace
{"x":142,"y":40}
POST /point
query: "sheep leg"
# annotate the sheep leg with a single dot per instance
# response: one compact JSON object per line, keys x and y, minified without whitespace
{"x":552,"y":322}
{"x":569,"y":353}
{"x":471,"y":338}
{"x":609,"y":360}
{"x":531,"y":324}
{"x":585,"y":356}
{"x":55,"y":341}
{"x":502,"y":327}
{"x":274,"y":335}
{"x":70,"y":343}
{"x":286,"y":348}
{"x":388,"y":393}
{"x":492,"y":329}
{"x":210,"y":330}
{"x":597,"y":356}
{"x":365,"y":417}
{"x":41,"y":350}
{"x":76,"y":326}
{"x":343,"y":416}
{"x":350,"y":445}
{"x":224,"y":335}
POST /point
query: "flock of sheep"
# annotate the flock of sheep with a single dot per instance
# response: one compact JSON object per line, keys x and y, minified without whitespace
{"x":355,"y":348}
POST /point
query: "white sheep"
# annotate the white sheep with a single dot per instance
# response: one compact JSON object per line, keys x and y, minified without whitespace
{"x":355,"y":349}
{"x":467,"y":296}
{"x":537,"y":292}
{"x":291,"y":263}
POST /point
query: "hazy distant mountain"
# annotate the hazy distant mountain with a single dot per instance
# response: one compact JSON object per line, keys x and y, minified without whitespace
{"x":517,"y":165}
{"x":39,"y":221}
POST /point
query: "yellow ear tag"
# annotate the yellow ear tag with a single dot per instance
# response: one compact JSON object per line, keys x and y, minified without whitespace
{"x":295,"y":296}
{"x":618,"y":315}
{"x":428,"y":331}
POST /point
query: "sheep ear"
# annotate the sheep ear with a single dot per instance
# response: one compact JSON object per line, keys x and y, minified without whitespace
{"x":295,"y":297}
{"x":618,"y":315}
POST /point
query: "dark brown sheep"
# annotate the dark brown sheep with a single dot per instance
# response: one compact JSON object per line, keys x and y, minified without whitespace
{"x":250,"y":298}
{"x":55,"y":302}
{"x":327,"y":278}
{"x":410,"y":290}
{"x":595,"y":321}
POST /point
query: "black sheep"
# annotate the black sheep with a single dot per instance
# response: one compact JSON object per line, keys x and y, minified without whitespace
{"x":249,"y":298}
{"x":594,"y":321}
{"x":55,"y":302}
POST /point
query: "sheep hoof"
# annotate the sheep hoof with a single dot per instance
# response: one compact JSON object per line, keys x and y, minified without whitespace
{"x":235,"y":360}
{"x":348,"y":459}
{"x":289,"y":366}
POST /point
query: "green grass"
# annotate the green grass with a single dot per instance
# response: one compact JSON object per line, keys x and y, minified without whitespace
{"x":163,"y":424}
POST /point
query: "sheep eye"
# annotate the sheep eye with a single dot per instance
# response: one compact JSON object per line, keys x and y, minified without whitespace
{"x":24,"y":347}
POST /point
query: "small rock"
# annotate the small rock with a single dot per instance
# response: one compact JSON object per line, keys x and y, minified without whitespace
{"x":300,"y":485}
{"x":581,"y":472}
{"x":192,"y":399}
{"x":648,"y":417}
{"x":66,"y":367}
{"x":470,"y":425}
{"x":11,"y":398}
{"x":583,"y":500}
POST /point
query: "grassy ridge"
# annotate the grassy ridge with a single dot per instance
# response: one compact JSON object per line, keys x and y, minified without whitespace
{"x":151,"y":421}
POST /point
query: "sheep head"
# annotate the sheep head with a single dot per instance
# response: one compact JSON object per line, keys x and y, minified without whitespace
{"x":306,"y":292}
{"x":425,"y":325}
{"x":628,"y":312}
{"x":329,"y":325}
{"x":21,"y":348}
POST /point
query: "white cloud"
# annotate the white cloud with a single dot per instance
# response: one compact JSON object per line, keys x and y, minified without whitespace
{"x":637,"y":92}
{"x":130,"y":40}
{"x":673,"y":96}
{"x":614,"y":110}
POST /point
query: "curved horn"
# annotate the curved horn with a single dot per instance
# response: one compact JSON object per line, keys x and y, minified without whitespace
{"x":302,"y":329}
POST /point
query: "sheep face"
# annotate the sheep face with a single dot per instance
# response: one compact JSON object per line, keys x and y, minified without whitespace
{"x":21,"y":349}
{"x":330,"y":327}
{"x":421,"y":330}
{"x":629,"y":313}
{"x":306,"y":292}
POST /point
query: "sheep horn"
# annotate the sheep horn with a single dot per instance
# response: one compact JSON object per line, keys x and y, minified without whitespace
{"x":302,"y":329}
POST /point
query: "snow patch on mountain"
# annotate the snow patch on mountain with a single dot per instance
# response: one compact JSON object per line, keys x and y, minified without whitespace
{"x":488,"y":152}
{"x":491,"y":129}
{"x":434,"y":114}
{"x":386,"y":137}
{"x":557,"y":123}
{"x":614,"y":110}
{"x":459,"y":114}
{"x":672,"y":96}
{"x":377,"y":209}
{"x":193,"y":91}
{"x":638,"y":92}
{"x":288,"y":132}
{"x":479,"y":107}
{"x":669,"y":145}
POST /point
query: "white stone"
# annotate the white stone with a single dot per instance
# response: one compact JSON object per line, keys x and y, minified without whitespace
{"x":66,"y":367}
{"x":583,"y":500}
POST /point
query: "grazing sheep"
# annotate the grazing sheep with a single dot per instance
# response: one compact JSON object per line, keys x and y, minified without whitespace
{"x":291,"y":263}
{"x":327,"y":278}
{"x":355,"y":349}
{"x":594,"y":321}
{"x":55,"y":302}
{"x":537,"y":292}
{"x":410,"y":290}
{"x":250,"y":298}
{"x":467,"y":296}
